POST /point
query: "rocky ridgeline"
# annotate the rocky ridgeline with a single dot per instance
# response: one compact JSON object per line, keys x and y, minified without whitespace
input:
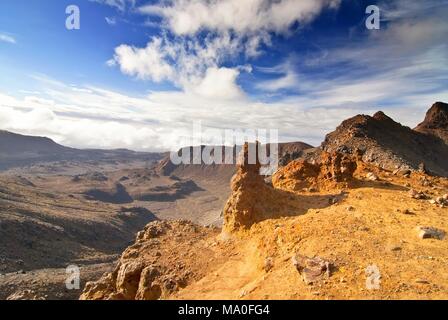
{"x":390,"y":145}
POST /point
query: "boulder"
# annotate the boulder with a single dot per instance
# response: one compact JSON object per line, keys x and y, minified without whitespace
{"x":312,"y":269}
{"x":430,"y":233}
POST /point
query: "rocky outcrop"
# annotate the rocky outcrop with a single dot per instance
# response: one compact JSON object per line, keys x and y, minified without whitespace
{"x":389,"y":145}
{"x":430,"y":233}
{"x":251,"y":200}
{"x":248,"y":187}
{"x":312,"y":269}
{"x":335,"y":170}
{"x":160,"y":262}
{"x":436,"y":121}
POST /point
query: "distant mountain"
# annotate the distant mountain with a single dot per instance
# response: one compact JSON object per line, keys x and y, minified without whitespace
{"x":290,"y":151}
{"x":287,"y":152}
{"x":12,"y":144}
{"x":20,"y":150}
{"x":436,"y":121}
{"x":390,"y":145}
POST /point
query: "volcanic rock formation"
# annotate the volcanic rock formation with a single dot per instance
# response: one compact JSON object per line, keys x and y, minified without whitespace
{"x":252,"y":200}
{"x":155,"y":265}
{"x":334,"y":170}
{"x":390,"y":145}
{"x":436,"y":121}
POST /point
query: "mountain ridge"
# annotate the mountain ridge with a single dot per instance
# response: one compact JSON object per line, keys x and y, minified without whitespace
{"x":17,"y":150}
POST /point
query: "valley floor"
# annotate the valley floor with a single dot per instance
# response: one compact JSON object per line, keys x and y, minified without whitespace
{"x":48,"y":284}
{"x":48,"y":221}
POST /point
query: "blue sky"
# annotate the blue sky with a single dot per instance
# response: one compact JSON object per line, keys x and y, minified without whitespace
{"x":139,"y":73}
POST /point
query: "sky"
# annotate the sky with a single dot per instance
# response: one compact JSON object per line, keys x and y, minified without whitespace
{"x":139,"y":74}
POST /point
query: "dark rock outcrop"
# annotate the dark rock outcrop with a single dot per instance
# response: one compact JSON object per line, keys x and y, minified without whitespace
{"x":334,"y":170}
{"x":436,"y":121}
{"x":389,"y":145}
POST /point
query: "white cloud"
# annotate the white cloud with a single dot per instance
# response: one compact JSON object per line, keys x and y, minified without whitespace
{"x":146,"y":63}
{"x":405,"y":9}
{"x":7,"y":38}
{"x":191,"y":65}
{"x":111,"y":21}
{"x":121,"y":5}
{"x":196,"y":64}
{"x":406,"y":62}
{"x":418,"y":34}
{"x":288,"y":79}
{"x":88,"y":116}
{"x":245,"y":17}
{"x":220,"y":83}
{"x":404,"y":66}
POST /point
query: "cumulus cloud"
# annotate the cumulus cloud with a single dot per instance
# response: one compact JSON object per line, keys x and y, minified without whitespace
{"x":194,"y":63}
{"x":190,"y":64}
{"x":220,"y":83}
{"x":245,"y":17}
{"x":145,"y":63}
